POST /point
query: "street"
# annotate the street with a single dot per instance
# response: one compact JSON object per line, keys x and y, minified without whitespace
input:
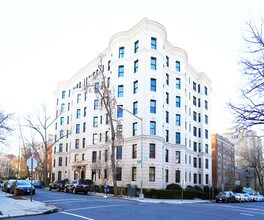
{"x":79,"y":206}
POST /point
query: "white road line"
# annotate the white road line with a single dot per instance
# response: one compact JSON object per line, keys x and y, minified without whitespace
{"x":95,"y":207}
{"x":79,"y":216}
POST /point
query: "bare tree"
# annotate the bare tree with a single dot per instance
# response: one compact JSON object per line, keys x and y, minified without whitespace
{"x":100,"y":85}
{"x":5,"y":127}
{"x":250,"y":111}
{"x":40,"y":128}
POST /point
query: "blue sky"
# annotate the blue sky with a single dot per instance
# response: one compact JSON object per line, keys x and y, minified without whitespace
{"x":44,"y":42}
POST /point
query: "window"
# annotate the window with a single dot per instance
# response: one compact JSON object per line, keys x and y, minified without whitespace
{"x":206,"y":119}
{"x":119,"y":174}
{"x":153,"y":85}
{"x":109,"y":65}
{"x":134,"y":174}
{"x":85,"y":96}
{"x":62,"y":121}
{"x":167,"y":117}
{"x":167,"y":61}
{"x":84,"y":111}
{"x":152,"y":128}
{"x":153,"y":63}
{"x":135,"y":108}
{"x":77,"y":143}
{"x":178,"y":66}
{"x":206,"y":105}
{"x":206,"y":163}
{"x":195,"y":162}
{"x":178,"y":101}
{"x":195,"y":146}
{"x":78,"y":98}
{"x":96,"y":87}
{"x":135,"y":66}
{"x":121,"y":71}
{"x":95,"y":121}
{"x":152,"y":150}
{"x":119,"y":152}
{"x":83,"y":155}
{"x":166,"y":155}
{"x":96,"y":104}
{"x":178,"y":83}
{"x":205,"y":90}
{"x":106,"y":136}
{"x":167,"y":79}
{"x":166,"y":175}
{"x":195,"y":178}
{"x":194,"y":86}
{"x":194,"y":116}
{"x":136,"y":47}
{"x":153,"y":43}
{"x":78,"y":113}
{"x":106,"y":155}
{"x":178,"y":157}
{"x":178,"y":120}
{"x":194,"y":100}
{"x":62,"y":107}
{"x":167,"y":135}
{"x":135,"y":87}
{"x":84,"y":127}
{"x":153,"y":106}
{"x":194,"y":131}
{"x":120,"y":92}
{"x":135,"y":128}
{"x":66,"y":161}
{"x":167,"y":98}
{"x":151,"y":174}
{"x":95,"y":138}
{"x":120,"y":111}
{"x":63,"y":93}
{"x":206,"y":148}
{"x":134,"y":151}
{"x":121,"y":52}
{"x":77,"y":128}
{"x":94,"y":156}
{"x":83,"y":143}
{"x":206,"y":133}
{"x":60,"y":147}
{"x":178,"y":176}
{"x":200,"y":163}
{"x":178,"y":138}
{"x":206,"y":179}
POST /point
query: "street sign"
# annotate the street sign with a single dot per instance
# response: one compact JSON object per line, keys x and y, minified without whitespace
{"x":32,"y":163}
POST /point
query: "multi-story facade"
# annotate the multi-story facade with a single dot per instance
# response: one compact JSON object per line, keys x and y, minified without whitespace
{"x":153,"y":80}
{"x":223,"y":162}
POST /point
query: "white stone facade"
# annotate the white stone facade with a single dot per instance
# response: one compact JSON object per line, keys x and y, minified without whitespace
{"x":148,"y":59}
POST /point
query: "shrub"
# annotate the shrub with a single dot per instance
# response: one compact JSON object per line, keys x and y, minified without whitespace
{"x":238,"y":189}
{"x":173,"y":186}
{"x":198,"y":188}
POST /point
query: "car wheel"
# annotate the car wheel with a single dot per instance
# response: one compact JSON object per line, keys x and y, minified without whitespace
{"x":74,"y":191}
{"x":58,"y":189}
{"x":50,"y":189}
{"x":65,"y":190}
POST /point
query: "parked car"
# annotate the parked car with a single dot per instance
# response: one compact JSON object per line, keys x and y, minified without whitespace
{"x":21,"y":187}
{"x":58,"y":185}
{"x":76,"y":186}
{"x":248,"y":198}
{"x":239,"y":197}
{"x":6,"y":186}
{"x":37,"y":184}
{"x":226,"y":196}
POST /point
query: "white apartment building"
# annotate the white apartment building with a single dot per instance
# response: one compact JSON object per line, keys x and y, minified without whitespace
{"x":153,"y":80}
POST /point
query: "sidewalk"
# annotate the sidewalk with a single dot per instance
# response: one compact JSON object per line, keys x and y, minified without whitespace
{"x":15,"y":206}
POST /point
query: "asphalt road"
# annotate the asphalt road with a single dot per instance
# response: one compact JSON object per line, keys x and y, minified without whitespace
{"x":77,"y":207}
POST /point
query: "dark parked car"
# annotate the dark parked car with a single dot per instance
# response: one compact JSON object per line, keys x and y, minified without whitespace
{"x":21,"y":187}
{"x":76,"y":186}
{"x":58,"y":185}
{"x":6,"y":186}
{"x":36,"y":183}
{"x":226,"y":196}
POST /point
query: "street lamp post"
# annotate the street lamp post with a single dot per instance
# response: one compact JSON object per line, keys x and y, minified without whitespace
{"x":141,"y":195}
